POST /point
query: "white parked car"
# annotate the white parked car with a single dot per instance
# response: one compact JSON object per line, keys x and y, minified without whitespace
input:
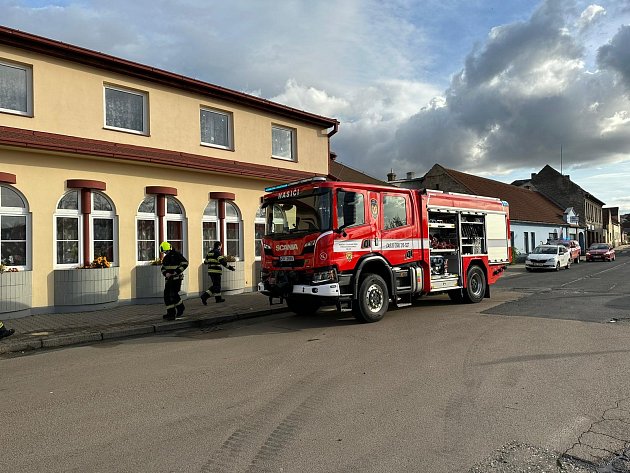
{"x":548,"y":257}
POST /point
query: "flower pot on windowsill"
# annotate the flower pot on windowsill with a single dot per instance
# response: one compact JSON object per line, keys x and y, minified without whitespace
{"x":150,"y":282}
{"x":16,"y":289}
{"x":75,"y":287}
{"x":232,"y":282}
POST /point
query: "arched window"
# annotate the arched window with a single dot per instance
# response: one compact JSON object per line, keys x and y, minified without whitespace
{"x":259,"y":232}
{"x":233,"y":230}
{"x":15,"y":229}
{"x":222,"y":222}
{"x":148,"y":227}
{"x":69,"y":221}
{"x":175,"y":218}
{"x":210,"y":225}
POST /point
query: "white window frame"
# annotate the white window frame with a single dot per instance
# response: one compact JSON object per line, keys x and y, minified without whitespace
{"x":293,"y":134}
{"x":213,"y":219}
{"x":230,"y":140}
{"x":29,"y":89}
{"x":102,"y":214}
{"x":259,"y":220}
{"x":20,"y":212}
{"x":168,"y":217}
{"x":238,"y":220}
{"x":145,"y":110}
{"x":78,"y":214}
{"x":69,"y":213}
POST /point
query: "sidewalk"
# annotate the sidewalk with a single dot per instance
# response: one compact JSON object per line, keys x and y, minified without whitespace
{"x":57,"y":330}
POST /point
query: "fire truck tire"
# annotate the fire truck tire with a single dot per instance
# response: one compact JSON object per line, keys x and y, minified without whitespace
{"x":304,"y":306}
{"x":476,"y":285}
{"x":373,"y":299}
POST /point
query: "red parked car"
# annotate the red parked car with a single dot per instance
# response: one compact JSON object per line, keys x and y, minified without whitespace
{"x":600,"y":251}
{"x":573,"y":246}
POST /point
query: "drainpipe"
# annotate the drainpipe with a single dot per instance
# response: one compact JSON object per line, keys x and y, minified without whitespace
{"x":329,"y":135}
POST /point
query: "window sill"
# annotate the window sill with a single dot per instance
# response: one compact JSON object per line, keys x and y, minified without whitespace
{"x":124,"y":130}
{"x":210,"y":145}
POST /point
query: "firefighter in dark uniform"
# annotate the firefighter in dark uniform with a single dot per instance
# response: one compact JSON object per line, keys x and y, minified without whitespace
{"x":214,"y":260}
{"x":5,"y":332}
{"x":173,"y":266}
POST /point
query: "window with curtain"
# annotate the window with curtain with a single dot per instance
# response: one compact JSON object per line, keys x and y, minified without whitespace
{"x":233,"y":230}
{"x":259,"y":232}
{"x":146,"y":230}
{"x":216,"y":128}
{"x":69,"y":223}
{"x":175,"y":218}
{"x":283,"y":143}
{"x":14,"y":228}
{"x":16,"y":88}
{"x":210,"y":225}
{"x":126,"y":110}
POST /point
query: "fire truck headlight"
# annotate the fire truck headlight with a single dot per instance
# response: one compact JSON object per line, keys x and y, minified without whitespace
{"x":325,"y":276}
{"x":266,"y":246}
{"x":310,"y":243}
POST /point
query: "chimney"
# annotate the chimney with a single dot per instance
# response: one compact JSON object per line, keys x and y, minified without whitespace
{"x":411,"y":175}
{"x":391,"y":176}
{"x":533,"y":175}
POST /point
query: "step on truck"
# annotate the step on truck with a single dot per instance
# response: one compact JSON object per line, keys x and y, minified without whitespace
{"x":363,"y":247}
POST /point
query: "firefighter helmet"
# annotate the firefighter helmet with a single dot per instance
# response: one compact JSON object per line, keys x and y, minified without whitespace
{"x":165,"y":246}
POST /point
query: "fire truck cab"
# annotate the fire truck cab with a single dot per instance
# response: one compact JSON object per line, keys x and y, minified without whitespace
{"x":362,"y":247}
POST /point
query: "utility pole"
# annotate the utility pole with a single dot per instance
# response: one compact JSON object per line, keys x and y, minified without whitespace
{"x":560,"y":159}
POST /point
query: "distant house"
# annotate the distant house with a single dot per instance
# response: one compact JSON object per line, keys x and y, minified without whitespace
{"x":533,"y":217}
{"x":341,"y":172}
{"x":612,"y":226}
{"x":565,"y":193}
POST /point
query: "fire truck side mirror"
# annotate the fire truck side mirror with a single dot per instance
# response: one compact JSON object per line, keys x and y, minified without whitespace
{"x":340,"y":230}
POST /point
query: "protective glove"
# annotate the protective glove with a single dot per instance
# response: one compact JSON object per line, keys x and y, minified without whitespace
{"x":231,"y":268}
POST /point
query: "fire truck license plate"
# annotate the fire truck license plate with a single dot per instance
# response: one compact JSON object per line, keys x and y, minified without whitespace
{"x":286,"y":258}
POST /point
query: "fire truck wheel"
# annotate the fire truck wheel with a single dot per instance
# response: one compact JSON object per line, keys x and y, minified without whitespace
{"x":305,"y":306}
{"x":476,"y":285}
{"x":373,"y":299}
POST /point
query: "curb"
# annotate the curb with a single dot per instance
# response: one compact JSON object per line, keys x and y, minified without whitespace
{"x":86,"y":336}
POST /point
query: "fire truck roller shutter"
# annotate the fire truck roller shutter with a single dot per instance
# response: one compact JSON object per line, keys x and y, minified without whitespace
{"x":496,"y":228}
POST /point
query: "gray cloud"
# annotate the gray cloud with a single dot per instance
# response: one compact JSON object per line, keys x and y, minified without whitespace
{"x":520,"y":97}
{"x":616,"y":54}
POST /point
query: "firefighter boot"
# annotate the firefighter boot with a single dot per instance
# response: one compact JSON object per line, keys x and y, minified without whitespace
{"x":4,"y":332}
{"x":180,"y":311}
{"x":204,"y":298}
{"x":170,"y":314}
{"x":219,"y":299}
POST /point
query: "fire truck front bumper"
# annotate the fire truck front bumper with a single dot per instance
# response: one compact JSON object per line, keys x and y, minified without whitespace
{"x":320,"y":290}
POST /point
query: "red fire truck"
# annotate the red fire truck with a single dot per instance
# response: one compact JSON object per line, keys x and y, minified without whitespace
{"x":361,"y":247}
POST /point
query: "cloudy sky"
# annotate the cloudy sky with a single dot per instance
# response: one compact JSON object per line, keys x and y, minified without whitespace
{"x":491,"y":87}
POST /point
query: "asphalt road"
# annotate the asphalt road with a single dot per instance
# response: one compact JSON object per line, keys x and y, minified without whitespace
{"x":434,"y":388}
{"x":591,"y":292}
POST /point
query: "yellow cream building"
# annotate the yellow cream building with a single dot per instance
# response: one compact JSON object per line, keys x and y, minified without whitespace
{"x":101,"y":156}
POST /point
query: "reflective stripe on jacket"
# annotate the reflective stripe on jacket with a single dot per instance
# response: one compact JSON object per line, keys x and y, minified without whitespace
{"x":214,"y":260}
{"x":175,"y":263}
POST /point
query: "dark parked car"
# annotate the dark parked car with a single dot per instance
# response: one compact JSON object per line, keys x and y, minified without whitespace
{"x":600,"y":251}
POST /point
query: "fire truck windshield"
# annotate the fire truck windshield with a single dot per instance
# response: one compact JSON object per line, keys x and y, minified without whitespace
{"x":306,"y":212}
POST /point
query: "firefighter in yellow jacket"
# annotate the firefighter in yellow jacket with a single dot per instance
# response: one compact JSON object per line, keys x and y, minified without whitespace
{"x":214,"y":260}
{"x":173,"y":266}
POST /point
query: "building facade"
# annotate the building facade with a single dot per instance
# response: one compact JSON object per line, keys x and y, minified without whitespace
{"x":565,"y":193}
{"x":103,"y":157}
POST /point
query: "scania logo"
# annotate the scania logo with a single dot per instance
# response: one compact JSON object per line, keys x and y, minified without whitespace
{"x":288,"y":246}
